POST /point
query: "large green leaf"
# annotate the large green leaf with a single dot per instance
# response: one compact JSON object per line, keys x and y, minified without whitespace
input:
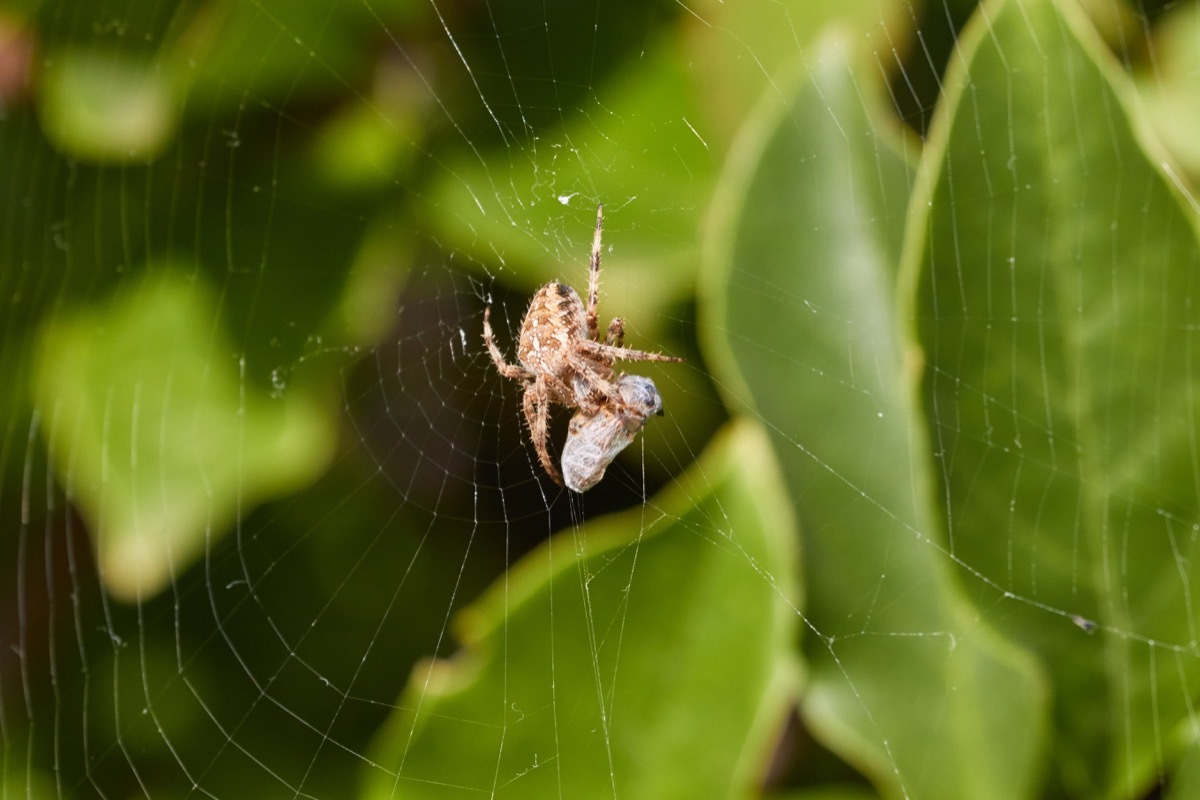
{"x":906,"y":681}
{"x":644,"y":656}
{"x":154,"y":431}
{"x":1057,"y":304}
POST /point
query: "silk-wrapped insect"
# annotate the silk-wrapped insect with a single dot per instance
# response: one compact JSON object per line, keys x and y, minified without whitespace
{"x":595,"y":438}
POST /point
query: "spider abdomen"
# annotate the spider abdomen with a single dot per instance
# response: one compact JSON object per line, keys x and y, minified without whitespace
{"x":555,"y":322}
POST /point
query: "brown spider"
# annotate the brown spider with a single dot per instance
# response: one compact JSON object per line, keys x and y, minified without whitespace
{"x":561,"y":359}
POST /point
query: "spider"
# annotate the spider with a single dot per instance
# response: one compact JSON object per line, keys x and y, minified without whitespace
{"x":561,"y":358}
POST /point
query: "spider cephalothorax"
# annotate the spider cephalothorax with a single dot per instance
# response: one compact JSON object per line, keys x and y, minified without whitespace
{"x":561,"y":359}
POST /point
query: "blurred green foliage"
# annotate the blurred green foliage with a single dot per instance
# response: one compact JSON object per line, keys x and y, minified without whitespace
{"x":271,"y":529}
{"x":519,"y":719}
{"x":958,"y":695}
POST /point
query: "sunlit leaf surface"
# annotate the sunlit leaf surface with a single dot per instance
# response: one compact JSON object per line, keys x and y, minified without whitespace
{"x":1057,"y":286}
{"x":646,"y":655}
{"x":906,"y":682}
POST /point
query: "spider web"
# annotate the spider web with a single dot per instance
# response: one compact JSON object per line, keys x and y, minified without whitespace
{"x":918,"y":519}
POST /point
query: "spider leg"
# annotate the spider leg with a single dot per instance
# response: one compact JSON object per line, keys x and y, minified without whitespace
{"x":537,"y":414}
{"x":594,"y":276}
{"x":559,"y":392}
{"x":616,"y":332}
{"x":625,"y":354}
{"x":597,"y":382}
{"x":504,"y":368}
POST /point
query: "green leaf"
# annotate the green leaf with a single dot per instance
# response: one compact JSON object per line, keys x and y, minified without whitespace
{"x":644,"y":656}
{"x":736,"y":54}
{"x":279,"y":51}
{"x":1056,"y":283}
{"x":654,"y":175}
{"x":155,"y":433}
{"x":1168,"y":85}
{"x":1185,"y":782}
{"x":905,"y":681}
{"x":99,"y":107}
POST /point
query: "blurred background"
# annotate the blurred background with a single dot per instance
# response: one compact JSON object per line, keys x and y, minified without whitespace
{"x":255,"y":462}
